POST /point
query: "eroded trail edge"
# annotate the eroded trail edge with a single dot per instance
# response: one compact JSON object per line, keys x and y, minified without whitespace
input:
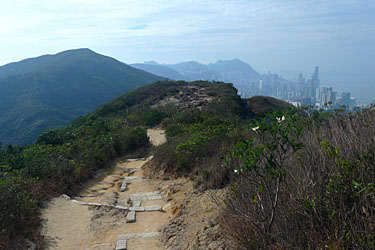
{"x":122,"y":210}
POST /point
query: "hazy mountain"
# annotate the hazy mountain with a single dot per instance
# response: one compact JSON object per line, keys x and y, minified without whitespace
{"x":52,"y":90}
{"x":234,"y":71}
{"x":194,"y":71}
{"x":160,"y":70}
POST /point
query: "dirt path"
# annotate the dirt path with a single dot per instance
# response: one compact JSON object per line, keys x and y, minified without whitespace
{"x":157,"y":136}
{"x":123,"y":208}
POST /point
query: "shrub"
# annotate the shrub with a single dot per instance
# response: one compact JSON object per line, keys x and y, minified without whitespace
{"x":300,"y":191}
{"x":54,"y":165}
{"x":17,"y":209}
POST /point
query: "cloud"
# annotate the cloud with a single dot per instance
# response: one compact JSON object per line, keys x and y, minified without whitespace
{"x":138,"y":27}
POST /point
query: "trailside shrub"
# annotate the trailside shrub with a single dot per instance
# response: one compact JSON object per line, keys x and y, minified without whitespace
{"x":135,"y":139}
{"x":195,"y":143}
{"x":32,"y":174}
{"x":304,"y":189}
{"x":18,"y":210}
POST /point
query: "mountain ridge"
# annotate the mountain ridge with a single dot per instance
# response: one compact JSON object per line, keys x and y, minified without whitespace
{"x":51,"y":90}
{"x":235,"y":71}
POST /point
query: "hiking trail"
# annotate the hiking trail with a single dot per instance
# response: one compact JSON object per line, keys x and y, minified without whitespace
{"x":122,"y":210}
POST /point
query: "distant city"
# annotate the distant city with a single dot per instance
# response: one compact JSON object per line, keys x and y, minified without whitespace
{"x":302,"y":92}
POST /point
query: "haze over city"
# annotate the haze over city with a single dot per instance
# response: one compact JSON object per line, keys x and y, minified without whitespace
{"x":285,"y":37}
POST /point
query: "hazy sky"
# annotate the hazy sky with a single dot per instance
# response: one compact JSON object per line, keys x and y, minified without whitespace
{"x":283,"y":36}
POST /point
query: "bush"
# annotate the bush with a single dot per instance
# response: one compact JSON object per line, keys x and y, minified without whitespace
{"x":58,"y":163}
{"x":18,"y":211}
{"x":300,"y":191}
{"x":147,"y":117}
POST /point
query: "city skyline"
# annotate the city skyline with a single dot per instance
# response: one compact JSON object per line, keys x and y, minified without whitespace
{"x":315,"y":80}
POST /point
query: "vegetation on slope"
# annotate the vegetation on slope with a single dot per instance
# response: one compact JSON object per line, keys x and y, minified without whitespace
{"x":308,"y":179}
{"x":60,"y":160}
{"x":51,"y":91}
{"x":303,"y":183}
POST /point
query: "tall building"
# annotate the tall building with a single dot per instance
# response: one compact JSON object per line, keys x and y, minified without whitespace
{"x":301,"y":80}
{"x":345,"y":99}
{"x":315,"y":78}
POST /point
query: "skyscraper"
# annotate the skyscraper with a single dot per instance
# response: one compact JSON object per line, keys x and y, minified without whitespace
{"x":345,"y":99}
{"x":315,"y":78}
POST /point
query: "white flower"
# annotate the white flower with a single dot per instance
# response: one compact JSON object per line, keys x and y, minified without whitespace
{"x":236,"y":171}
{"x":255,"y":128}
{"x":280,"y":119}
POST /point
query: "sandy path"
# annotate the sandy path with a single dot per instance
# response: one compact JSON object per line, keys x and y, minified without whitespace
{"x":157,"y":136}
{"x":69,"y":225}
{"x":66,"y":220}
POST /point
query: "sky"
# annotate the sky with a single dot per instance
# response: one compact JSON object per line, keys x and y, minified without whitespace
{"x":281,"y":36}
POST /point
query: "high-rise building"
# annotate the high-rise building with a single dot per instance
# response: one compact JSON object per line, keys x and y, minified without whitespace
{"x":345,"y":99}
{"x":316,"y":73}
{"x":301,"y":80}
{"x":332,"y":96}
{"x":315,"y":78}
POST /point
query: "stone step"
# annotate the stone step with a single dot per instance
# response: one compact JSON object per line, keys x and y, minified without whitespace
{"x":150,"y":198}
{"x":139,"y":159}
{"x":153,"y":208}
{"x":123,"y":186}
{"x":141,"y":180}
{"x":79,"y":202}
{"x":145,"y":209}
{"x":137,"y":203}
{"x":133,"y":170}
{"x":99,"y":205}
{"x":121,"y":245}
{"x":127,"y":236}
{"x":137,"y":209}
{"x":143,"y":235}
{"x":135,"y":178}
{"x":157,"y":197}
{"x":130,"y":217}
{"x":146,"y":235}
{"x":66,"y":196}
{"x":121,"y":207}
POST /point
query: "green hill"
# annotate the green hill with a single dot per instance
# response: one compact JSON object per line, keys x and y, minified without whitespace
{"x":51,"y":90}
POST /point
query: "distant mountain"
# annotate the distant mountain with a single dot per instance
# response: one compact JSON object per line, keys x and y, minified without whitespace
{"x":233,"y":71}
{"x":195,"y":71}
{"x":52,"y":90}
{"x":160,"y":70}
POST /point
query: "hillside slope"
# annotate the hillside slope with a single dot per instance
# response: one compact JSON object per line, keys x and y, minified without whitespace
{"x":51,"y":90}
{"x":200,"y":120}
